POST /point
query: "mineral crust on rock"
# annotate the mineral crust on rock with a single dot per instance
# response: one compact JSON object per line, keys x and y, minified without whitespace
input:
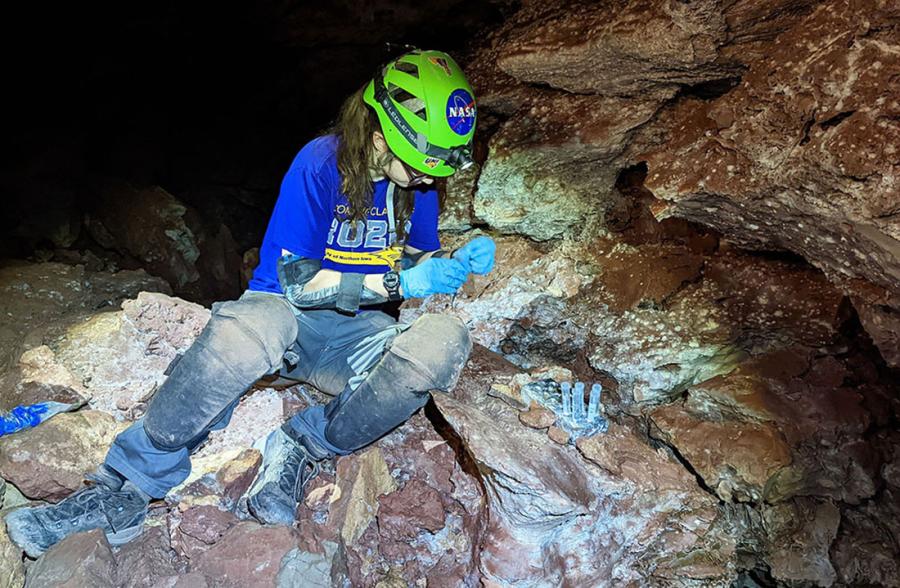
{"x":801,"y":155}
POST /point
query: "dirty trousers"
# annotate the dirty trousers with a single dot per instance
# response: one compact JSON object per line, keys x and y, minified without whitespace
{"x":380,"y":372}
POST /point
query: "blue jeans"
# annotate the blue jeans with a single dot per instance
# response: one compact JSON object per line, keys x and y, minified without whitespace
{"x":245,"y":340}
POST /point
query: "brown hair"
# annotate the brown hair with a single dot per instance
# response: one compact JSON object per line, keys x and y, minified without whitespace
{"x":356,"y":160}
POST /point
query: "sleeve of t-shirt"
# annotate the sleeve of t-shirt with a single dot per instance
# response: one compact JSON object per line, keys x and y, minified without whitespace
{"x":303,"y":212}
{"x":423,"y":234}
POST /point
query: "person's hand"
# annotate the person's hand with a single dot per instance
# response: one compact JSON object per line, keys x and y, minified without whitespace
{"x":433,"y":276}
{"x":477,"y":256}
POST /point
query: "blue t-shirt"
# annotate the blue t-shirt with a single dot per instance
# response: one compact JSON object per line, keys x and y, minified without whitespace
{"x":310,"y":215}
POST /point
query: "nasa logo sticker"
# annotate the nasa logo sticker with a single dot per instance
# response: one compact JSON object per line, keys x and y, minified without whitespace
{"x":461,"y":112}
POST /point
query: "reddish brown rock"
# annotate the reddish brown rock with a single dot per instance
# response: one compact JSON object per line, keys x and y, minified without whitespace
{"x":736,"y":459}
{"x":405,"y":513}
{"x":814,"y":174}
{"x":619,"y":49}
{"x":879,"y":317}
{"x":802,"y":404}
{"x":800,"y":534}
{"x":427,"y":526}
{"x":547,"y":504}
{"x":167,"y":237}
{"x":558,"y":435}
{"x":623,"y":454}
{"x":867,"y":549}
{"x":50,"y":461}
{"x":147,"y":561}
{"x":198,"y":528}
{"x":84,"y":559}
{"x":36,"y":298}
{"x":775,"y":302}
{"x":650,"y":273}
{"x":247,"y":555}
{"x":537,"y":417}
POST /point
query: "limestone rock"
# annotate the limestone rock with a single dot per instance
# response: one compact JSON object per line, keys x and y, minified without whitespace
{"x":123,"y":355}
{"x":302,"y":568}
{"x":457,"y":214}
{"x":43,"y":379}
{"x":371,"y":481}
{"x":84,"y":559}
{"x":49,"y":462}
{"x":551,"y":171}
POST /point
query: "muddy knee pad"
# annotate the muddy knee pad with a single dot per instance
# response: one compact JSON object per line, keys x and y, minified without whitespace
{"x":243,"y":341}
{"x":438,"y":345}
{"x":428,"y":356}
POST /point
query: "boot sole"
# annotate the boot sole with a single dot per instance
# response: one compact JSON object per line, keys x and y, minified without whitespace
{"x":125,"y":535}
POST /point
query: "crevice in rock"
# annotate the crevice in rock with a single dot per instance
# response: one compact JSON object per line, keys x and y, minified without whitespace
{"x":683,"y":461}
{"x":443,"y":428}
{"x":709,"y":90}
{"x":836,"y":119}
{"x":757,"y":577}
{"x":807,"y":126}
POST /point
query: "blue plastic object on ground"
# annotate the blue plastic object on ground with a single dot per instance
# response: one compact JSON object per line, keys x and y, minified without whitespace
{"x":26,"y":417}
{"x":567,"y":402}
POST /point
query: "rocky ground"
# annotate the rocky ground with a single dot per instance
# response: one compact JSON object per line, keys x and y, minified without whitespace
{"x":695,"y":204}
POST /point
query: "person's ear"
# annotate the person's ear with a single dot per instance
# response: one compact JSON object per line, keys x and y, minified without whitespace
{"x":379,"y":142}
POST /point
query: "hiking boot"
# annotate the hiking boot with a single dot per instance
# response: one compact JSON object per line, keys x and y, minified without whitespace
{"x":287,"y":468}
{"x":120,"y":513}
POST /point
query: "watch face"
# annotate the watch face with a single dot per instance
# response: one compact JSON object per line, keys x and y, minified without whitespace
{"x":391,"y":280}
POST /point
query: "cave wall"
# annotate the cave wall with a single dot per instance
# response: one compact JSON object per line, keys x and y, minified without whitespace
{"x":741,"y":321}
{"x":774,"y":123}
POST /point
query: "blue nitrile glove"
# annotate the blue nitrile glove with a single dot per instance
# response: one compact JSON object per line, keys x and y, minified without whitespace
{"x":477,"y":256}
{"x":433,"y":276}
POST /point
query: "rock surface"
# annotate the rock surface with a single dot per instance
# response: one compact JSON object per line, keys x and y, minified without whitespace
{"x":37,"y":297}
{"x":815,"y":174}
{"x":12,"y":570}
{"x":80,"y":560}
{"x":50,"y":461}
{"x":168,"y":238}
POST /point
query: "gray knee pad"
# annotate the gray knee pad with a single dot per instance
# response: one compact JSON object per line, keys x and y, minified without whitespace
{"x":243,"y":341}
{"x":428,"y":356}
{"x":438,"y":345}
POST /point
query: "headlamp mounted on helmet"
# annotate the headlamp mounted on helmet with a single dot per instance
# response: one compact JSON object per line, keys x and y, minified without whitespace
{"x":459,"y":158}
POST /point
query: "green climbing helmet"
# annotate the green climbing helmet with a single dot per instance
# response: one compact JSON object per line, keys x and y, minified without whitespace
{"x":427,"y":111}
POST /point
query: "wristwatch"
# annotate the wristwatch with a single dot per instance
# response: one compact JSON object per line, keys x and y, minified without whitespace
{"x":391,"y":281}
